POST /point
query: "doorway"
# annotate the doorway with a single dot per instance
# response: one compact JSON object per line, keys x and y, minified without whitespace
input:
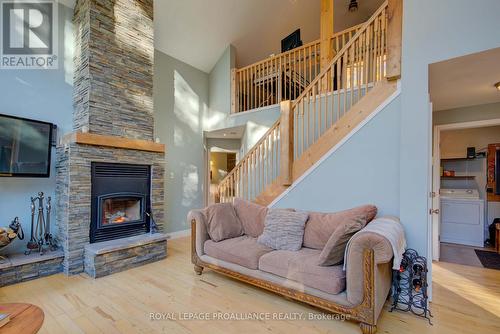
{"x":466,"y":131}
{"x":462,"y":190}
{"x":221,"y":163}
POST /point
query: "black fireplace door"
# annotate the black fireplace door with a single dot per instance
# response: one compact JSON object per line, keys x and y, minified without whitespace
{"x":120,"y":200}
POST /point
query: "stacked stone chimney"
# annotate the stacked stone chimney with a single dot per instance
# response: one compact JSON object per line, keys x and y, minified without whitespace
{"x":113,"y":96}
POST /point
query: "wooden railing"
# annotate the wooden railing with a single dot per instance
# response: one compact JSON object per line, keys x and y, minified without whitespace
{"x":257,"y":170}
{"x":349,"y":77}
{"x":280,"y":77}
{"x":340,"y":39}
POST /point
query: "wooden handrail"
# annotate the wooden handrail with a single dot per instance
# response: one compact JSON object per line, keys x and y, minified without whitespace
{"x":281,"y":54}
{"x":304,"y":46}
{"x":276,"y":125}
{"x":343,"y":50}
{"x":338,"y":40}
{"x":340,"y":85}
{"x":280,"y":77}
{"x":256,"y":170}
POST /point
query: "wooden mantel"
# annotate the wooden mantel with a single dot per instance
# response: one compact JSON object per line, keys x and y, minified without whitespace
{"x":87,"y":138}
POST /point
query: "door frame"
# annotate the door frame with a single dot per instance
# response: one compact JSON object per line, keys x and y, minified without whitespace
{"x":435,"y":224}
{"x":208,"y":151}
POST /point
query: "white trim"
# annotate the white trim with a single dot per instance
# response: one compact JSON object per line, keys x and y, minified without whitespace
{"x":242,"y":113}
{"x":179,"y":234}
{"x":339,"y":144}
{"x":468,"y":125}
{"x":435,"y":247}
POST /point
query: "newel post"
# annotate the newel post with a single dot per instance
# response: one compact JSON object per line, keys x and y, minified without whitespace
{"x":394,"y":38}
{"x":234,"y":92}
{"x":286,"y":142}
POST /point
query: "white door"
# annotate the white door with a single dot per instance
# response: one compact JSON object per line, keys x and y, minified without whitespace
{"x":434,"y":195}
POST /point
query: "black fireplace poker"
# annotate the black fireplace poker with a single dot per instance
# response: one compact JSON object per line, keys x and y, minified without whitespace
{"x":153,"y":227}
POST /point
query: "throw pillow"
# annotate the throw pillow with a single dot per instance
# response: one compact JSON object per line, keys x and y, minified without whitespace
{"x":222,"y":222}
{"x":333,"y":252}
{"x":251,"y":215}
{"x":284,"y":229}
{"x":320,"y":226}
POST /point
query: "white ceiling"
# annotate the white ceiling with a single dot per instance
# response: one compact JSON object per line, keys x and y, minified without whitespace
{"x":198,"y":31}
{"x":228,"y":133}
{"x":465,"y":81}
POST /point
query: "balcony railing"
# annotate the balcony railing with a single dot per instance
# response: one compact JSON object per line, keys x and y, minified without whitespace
{"x":281,"y":77}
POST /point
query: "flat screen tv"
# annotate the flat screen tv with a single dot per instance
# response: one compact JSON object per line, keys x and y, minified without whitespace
{"x":25,"y":147}
{"x":291,"y":41}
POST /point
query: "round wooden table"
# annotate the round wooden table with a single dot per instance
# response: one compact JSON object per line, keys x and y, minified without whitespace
{"x":24,"y":318}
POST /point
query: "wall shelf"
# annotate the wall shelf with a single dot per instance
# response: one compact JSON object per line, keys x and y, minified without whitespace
{"x":458,"y":177}
{"x":461,"y":159}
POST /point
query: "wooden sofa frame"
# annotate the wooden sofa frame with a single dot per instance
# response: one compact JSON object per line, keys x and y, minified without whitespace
{"x":364,"y":313}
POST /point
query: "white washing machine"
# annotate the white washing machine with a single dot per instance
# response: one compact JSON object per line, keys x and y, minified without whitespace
{"x":462,"y":217}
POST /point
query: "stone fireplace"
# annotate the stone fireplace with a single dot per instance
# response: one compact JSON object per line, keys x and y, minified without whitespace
{"x":110,"y":171}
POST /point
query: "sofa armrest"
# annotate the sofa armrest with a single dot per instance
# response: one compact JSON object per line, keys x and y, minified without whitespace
{"x":198,"y":217}
{"x":382,"y":272}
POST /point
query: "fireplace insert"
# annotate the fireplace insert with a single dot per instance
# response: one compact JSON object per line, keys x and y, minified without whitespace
{"x":120,"y":201}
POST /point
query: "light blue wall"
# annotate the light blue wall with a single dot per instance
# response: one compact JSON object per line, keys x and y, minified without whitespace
{"x":432,"y":31}
{"x":256,"y":125}
{"x":43,"y":95}
{"x":363,"y":170}
{"x":219,"y":89}
{"x":187,"y":103}
{"x":219,"y":113}
{"x":181,"y":106}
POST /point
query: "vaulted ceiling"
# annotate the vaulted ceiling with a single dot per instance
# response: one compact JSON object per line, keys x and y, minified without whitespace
{"x":198,"y":31}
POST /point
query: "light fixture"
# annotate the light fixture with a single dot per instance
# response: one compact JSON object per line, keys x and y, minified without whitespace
{"x":497,"y":85}
{"x":353,"y":5}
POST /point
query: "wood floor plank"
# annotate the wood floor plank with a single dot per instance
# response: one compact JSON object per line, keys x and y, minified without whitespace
{"x":465,"y":301}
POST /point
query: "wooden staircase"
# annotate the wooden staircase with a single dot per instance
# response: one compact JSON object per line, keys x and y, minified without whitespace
{"x":339,"y":98}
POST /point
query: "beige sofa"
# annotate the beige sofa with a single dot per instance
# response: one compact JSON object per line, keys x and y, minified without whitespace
{"x":358,"y":293}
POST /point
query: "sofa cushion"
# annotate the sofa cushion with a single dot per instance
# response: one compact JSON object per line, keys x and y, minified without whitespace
{"x":320,"y":226}
{"x":300,"y":266}
{"x":251,"y":215}
{"x":222,"y":222}
{"x":333,"y":252}
{"x":244,"y":251}
{"x":284,"y":229}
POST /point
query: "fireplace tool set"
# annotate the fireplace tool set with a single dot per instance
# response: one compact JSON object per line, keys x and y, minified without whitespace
{"x":41,"y":239}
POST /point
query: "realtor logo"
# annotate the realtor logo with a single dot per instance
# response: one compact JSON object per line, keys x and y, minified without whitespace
{"x":29,"y":34}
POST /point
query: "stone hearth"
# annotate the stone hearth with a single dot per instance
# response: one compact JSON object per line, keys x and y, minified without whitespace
{"x":109,"y":257}
{"x":113,"y":97}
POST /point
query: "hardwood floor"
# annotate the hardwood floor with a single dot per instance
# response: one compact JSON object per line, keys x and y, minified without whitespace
{"x":466,"y":300}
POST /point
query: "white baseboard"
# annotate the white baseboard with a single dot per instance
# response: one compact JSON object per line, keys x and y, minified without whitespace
{"x":179,"y":234}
